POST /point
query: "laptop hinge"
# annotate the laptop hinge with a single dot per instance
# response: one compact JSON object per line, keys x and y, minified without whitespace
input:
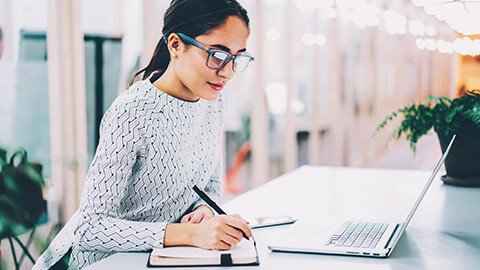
{"x":399,"y":228}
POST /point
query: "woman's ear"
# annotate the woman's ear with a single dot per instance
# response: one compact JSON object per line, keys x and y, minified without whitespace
{"x":175,"y":45}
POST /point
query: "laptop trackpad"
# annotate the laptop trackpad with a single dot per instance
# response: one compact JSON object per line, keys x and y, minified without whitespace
{"x":309,"y":233}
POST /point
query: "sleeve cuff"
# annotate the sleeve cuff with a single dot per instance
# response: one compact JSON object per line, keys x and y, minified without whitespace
{"x":200,"y":203}
{"x":161,"y":228}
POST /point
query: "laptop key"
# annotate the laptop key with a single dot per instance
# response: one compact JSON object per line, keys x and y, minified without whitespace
{"x":375,"y":242}
{"x":366,"y":244}
{"x":363,"y":234}
{"x":357,"y":244}
{"x":342,"y":228}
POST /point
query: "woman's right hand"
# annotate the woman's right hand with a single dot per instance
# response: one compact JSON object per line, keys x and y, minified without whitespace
{"x":220,"y":232}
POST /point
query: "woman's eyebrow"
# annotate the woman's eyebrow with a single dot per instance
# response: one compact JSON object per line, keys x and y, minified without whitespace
{"x":221,"y":47}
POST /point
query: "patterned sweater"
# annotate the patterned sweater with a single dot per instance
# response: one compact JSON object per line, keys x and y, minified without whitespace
{"x":153,"y":148}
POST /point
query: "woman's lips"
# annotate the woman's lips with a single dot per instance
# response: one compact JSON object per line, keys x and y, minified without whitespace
{"x":216,"y":86}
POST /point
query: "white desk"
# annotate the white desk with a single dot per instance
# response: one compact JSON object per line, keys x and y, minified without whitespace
{"x":444,"y":233}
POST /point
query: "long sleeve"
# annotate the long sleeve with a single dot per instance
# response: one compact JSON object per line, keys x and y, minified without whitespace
{"x":214,"y":186}
{"x":100,"y":228}
{"x":153,"y":147}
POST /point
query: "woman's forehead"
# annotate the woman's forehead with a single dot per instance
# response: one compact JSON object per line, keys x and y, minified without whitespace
{"x":233,"y":34}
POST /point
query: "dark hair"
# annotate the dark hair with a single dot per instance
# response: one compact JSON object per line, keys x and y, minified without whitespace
{"x":192,"y":18}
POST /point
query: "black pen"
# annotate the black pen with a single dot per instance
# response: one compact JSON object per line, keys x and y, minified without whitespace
{"x":212,"y":204}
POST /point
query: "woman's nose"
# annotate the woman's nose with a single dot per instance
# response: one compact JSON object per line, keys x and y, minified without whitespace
{"x":227,"y":71}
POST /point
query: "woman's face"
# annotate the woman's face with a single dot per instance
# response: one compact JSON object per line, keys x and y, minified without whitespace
{"x":190,"y":66}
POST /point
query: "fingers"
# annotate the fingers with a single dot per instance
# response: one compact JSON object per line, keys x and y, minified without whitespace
{"x":239,"y":217}
{"x":230,"y":240}
{"x":238,"y":224}
{"x":197,"y":217}
{"x":223,"y":246}
{"x":220,"y":232}
{"x":235,"y":233}
{"x":208,"y":212}
{"x":193,"y":217}
{"x":186,"y":218}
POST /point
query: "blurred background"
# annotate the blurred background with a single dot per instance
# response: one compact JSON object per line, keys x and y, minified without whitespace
{"x":326,"y":73}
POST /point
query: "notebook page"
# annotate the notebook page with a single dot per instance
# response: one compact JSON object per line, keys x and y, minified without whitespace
{"x":242,"y":250}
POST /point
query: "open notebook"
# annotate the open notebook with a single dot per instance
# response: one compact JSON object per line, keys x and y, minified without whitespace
{"x":245,"y":253}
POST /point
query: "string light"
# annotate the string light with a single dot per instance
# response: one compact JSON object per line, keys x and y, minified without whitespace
{"x":420,"y":43}
{"x":430,"y":30}
{"x":367,"y":15}
{"x":467,"y":46}
{"x":416,"y":28}
{"x":395,"y":23}
{"x":461,"y":15}
{"x":310,"y":39}
{"x":320,"y":39}
{"x":458,"y":14}
{"x":430,"y":44}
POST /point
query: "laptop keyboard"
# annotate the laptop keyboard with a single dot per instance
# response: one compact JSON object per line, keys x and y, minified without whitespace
{"x":358,"y":235}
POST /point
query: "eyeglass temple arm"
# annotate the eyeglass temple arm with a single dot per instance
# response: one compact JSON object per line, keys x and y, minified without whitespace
{"x":193,"y":41}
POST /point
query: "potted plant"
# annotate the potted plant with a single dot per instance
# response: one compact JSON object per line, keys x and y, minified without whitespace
{"x":459,"y":116}
{"x":21,"y":198}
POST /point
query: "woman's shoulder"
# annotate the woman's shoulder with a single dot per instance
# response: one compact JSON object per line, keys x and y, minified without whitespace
{"x":130,"y":103}
{"x":137,"y":92}
{"x":135,"y":97}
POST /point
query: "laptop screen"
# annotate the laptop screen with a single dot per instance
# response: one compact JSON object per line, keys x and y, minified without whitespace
{"x":429,"y":182}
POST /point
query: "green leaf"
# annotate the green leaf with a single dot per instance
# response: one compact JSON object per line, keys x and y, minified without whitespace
{"x":449,"y":117}
{"x":3,"y":156}
{"x":21,"y":193}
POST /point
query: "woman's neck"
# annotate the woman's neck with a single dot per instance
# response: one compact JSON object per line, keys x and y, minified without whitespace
{"x":170,"y":84}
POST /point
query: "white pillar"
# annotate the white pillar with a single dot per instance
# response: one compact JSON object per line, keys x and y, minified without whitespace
{"x":335,"y":109}
{"x":349,"y":115}
{"x":290,"y":147}
{"x":314,"y":153}
{"x":151,"y":31}
{"x":66,"y":79}
{"x":259,"y":117}
{"x":118,"y":17}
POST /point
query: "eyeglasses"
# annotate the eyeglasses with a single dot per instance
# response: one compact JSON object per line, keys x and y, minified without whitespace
{"x":217,"y":59}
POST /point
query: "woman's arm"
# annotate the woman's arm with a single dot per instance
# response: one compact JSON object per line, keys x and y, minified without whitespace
{"x":100,"y":229}
{"x":108,"y":234}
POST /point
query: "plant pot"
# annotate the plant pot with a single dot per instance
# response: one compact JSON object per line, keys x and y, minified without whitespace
{"x":463,"y":161}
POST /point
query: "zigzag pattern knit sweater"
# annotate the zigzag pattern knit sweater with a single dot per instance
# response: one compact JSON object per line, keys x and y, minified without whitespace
{"x":153,"y":148}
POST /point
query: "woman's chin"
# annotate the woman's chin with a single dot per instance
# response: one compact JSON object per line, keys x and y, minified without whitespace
{"x":211,"y":96}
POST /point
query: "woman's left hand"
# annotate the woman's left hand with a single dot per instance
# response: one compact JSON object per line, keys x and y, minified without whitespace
{"x":200,"y":214}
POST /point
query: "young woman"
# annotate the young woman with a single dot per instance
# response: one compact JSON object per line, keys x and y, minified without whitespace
{"x":160,"y":138}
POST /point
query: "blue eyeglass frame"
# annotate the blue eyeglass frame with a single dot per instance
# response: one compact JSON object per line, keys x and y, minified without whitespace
{"x":210,"y":52}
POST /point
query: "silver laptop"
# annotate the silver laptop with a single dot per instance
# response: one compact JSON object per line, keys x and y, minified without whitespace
{"x":352,"y":237}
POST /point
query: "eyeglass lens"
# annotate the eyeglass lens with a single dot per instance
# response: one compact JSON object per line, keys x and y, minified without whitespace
{"x":218,"y":59}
